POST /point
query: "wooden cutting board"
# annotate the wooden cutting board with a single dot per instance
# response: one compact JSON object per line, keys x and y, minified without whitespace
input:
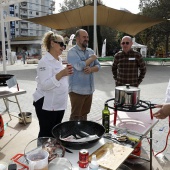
{"x":111,"y":155}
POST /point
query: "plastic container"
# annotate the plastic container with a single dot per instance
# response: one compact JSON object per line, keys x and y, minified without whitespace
{"x":60,"y":164}
{"x":3,"y":166}
{"x":38,"y":160}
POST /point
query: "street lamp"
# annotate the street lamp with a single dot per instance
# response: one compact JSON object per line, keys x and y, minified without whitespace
{"x":94,"y":25}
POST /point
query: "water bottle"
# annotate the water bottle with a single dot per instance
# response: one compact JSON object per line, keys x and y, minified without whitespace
{"x":106,"y":118}
{"x":94,"y":164}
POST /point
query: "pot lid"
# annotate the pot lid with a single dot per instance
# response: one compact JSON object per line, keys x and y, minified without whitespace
{"x":127,"y":87}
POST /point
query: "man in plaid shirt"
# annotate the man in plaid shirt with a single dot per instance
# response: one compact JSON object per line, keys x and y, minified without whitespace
{"x":128,"y":66}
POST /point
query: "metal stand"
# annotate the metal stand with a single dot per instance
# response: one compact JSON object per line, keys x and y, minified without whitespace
{"x":142,"y":106}
{"x":6,"y":100}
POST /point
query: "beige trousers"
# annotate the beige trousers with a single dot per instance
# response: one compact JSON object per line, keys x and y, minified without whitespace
{"x":80,"y":106}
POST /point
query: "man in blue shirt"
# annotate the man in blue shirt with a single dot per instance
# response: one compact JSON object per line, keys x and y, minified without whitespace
{"x":81,"y":83}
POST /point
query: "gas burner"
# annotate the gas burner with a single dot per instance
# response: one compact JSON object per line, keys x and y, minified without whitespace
{"x":141,"y":106}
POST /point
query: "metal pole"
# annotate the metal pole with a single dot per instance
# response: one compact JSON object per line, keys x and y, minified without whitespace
{"x":3,"y":40}
{"x":95,"y":27}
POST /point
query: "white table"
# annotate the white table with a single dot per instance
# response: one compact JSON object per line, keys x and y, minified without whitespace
{"x":139,"y":123}
{"x":5,"y":93}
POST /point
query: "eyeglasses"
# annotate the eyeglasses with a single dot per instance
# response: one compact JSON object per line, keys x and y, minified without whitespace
{"x":61,"y":44}
{"x":123,"y":43}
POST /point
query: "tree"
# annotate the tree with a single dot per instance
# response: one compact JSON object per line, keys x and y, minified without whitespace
{"x":70,"y":4}
{"x":157,"y":35}
{"x":73,"y":4}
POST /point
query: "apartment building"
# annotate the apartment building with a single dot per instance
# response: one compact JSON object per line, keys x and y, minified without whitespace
{"x":24,"y":33}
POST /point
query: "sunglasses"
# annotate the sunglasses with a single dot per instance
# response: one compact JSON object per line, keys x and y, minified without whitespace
{"x":61,"y":44}
{"x":123,"y":43}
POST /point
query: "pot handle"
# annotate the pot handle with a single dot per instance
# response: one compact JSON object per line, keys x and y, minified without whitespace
{"x":127,"y":86}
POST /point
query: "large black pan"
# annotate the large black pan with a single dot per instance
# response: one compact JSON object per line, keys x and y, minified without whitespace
{"x":4,"y":78}
{"x":68,"y":128}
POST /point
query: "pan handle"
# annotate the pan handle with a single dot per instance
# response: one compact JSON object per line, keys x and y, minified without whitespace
{"x":152,"y":106}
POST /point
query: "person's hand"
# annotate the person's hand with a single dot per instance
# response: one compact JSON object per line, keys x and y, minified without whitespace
{"x":67,"y":71}
{"x":87,"y":70}
{"x":163,"y":112}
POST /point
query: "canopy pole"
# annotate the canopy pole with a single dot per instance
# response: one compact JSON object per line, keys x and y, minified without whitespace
{"x":95,"y":27}
{"x":3,"y":39}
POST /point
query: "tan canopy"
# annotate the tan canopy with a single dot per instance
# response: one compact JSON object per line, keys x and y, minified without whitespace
{"x":83,"y":16}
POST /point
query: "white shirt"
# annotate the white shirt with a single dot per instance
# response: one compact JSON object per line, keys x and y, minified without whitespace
{"x":55,"y":92}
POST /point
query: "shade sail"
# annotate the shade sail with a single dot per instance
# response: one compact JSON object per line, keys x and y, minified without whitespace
{"x":117,"y":19}
{"x":9,"y":18}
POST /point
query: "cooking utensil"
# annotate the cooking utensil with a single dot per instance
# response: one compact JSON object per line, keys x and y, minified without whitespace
{"x":69,"y":128}
{"x":67,"y":150}
{"x":127,"y":95}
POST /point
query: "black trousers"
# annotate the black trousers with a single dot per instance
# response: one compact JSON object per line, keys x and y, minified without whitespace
{"x":47,"y":119}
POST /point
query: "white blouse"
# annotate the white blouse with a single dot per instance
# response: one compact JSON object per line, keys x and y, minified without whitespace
{"x":55,"y":92}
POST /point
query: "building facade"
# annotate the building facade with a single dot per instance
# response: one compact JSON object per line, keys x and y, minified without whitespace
{"x":24,"y":33}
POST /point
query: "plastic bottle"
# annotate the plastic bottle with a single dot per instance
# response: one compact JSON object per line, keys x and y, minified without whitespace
{"x":106,"y":118}
{"x":1,"y":127}
{"x":94,"y":165}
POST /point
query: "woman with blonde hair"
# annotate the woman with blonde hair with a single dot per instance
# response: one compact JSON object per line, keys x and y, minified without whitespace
{"x":50,"y":97}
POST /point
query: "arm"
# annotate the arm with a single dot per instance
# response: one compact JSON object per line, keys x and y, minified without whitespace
{"x":142,"y":69}
{"x":163,"y":112}
{"x":92,"y":67}
{"x":114,"y":67}
{"x":90,"y":59}
{"x":74,"y":59}
{"x":46,"y":77}
{"x":65,"y":72}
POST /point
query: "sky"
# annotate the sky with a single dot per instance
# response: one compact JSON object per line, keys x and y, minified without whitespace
{"x":130,"y":5}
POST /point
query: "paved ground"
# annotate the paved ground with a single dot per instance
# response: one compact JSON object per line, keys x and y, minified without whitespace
{"x":152,"y":89}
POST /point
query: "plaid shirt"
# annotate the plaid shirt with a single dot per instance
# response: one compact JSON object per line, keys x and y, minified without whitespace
{"x":128,"y":68}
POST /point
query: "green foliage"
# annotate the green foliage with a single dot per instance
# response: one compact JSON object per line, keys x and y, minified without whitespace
{"x":157,"y":36}
{"x":70,"y":4}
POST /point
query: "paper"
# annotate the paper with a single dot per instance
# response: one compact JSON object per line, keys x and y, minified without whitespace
{"x":11,"y":82}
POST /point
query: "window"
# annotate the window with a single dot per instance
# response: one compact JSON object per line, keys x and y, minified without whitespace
{"x":37,"y":13}
{"x":12,"y":23}
{"x":12,"y":30}
{"x":11,"y":8}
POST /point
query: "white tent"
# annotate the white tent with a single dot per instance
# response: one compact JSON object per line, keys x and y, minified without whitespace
{"x":143,"y":48}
